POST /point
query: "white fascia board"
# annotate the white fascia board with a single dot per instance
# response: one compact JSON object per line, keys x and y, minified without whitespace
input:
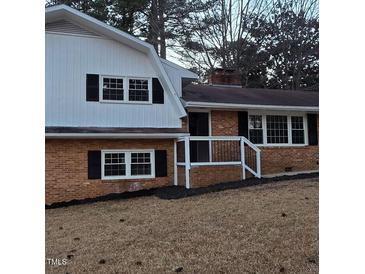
{"x":63,"y":11}
{"x":115,"y":135}
{"x":247,"y":106}
{"x":183,"y":71}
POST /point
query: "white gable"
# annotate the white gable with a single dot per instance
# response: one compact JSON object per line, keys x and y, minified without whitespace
{"x":63,"y":12}
{"x":63,"y":26}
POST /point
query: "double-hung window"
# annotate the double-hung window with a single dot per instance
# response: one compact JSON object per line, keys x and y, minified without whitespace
{"x":113,"y":89}
{"x":126,"y":164}
{"x":138,"y":90}
{"x":114,"y":164}
{"x":125,"y":89}
{"x":255,"y":129}
{"x":140,"y":163}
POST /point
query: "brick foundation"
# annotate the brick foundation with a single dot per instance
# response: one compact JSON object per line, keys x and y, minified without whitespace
{"x":289,"y":159}
{"x":201,"y":176}
{"x":66,"y":169}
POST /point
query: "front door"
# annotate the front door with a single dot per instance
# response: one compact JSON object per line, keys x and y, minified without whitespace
{"x":199,"y":126}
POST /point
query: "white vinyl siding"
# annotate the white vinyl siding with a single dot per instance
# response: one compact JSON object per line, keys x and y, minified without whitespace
{"x":69,"y":58}
{"x":63,"y":26}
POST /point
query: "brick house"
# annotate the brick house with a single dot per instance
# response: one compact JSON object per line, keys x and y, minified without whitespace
{"x":119,"y":118}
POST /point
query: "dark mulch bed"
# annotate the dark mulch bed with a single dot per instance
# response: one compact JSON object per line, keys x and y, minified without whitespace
{"x":178,"y":192}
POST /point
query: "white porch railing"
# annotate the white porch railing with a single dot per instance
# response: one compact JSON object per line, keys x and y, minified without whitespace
{"x":218,"y":150}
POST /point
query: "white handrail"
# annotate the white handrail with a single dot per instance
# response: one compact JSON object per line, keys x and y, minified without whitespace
{"x":243,"y":140}
{"x":220,"y":138}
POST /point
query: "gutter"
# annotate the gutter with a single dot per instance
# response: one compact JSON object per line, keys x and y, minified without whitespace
{"x":115,"y":135}
{"x":247,"y":106}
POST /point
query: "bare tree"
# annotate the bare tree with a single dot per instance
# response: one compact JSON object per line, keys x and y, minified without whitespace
{"x":240,"y":34}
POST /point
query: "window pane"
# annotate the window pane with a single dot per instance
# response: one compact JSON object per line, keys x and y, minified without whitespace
{"x":297,"y":122}
{"x":255,"y":121}
{"x":297,"y":130}
{"x":255,"y":129}
{"x":141,"y":164}
{"x":114,"y":164}
{"x":140,"y":169}
{"x":138,"y":90}
{"x":277,"y":129}
{"x":256,"y":136}
{"x":298,"y":136}
{"x":113,"y":89}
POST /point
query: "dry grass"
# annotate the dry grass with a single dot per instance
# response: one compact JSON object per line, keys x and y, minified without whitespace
{"x":234,"y":231}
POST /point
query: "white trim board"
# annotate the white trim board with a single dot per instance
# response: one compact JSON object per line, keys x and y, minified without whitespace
{"x":115,"y":135}
{"x":248,"y":106}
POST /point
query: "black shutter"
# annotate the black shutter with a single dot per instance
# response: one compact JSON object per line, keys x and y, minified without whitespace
{"x":157,"y":92}
{"x":94,"y":164}
{"x":243,"y":123}
{"x":92,"y":87}
{"x":312,"y":129}
{"x":160,"y":163}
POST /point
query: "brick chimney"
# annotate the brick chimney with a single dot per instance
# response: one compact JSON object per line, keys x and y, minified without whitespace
{"x":226,"y":77}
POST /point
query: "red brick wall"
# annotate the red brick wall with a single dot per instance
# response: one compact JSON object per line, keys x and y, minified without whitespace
{"x":277,"y":159}
{"x":66,"y":169}
{"x":208,"y":175}
{"x":224,"y":123}
{"x":181,"y":175}
{"x":225,"y":77}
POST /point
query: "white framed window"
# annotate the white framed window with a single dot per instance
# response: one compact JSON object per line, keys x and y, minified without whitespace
{"x":255,"y":129}
{"x":123,"y":89}
{"x":275,"y":128}
{"x":127,"y":164}
{"x":112,"y":89}
{"x":138,"y":90}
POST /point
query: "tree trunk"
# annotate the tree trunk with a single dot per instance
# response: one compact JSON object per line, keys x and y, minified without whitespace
{"x":153,"y":25}
{"x":161,"y":27}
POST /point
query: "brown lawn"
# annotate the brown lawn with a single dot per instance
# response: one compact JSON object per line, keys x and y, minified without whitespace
{"x":262,"y":229}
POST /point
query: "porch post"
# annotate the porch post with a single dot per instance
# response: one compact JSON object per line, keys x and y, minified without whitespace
{"x":187,"y":162}
{"x":242,"y":145}
{"x":175,"y":164}
{"x":258,"y":163}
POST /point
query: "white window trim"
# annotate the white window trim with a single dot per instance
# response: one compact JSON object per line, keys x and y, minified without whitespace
{"x":125,"y":90}
{"x":283,"y":113}
{"x":128,"y":163}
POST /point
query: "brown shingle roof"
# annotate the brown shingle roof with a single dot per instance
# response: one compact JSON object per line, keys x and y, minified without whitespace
{"x":249,"y":96}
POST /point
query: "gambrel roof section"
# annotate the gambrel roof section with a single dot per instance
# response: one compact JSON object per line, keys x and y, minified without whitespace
{"x":63,"y":12}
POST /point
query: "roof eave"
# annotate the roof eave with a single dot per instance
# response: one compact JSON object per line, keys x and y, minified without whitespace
{"x":188,"y":104}
{"x":184,"y":72}
{"x":114,"y":135}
